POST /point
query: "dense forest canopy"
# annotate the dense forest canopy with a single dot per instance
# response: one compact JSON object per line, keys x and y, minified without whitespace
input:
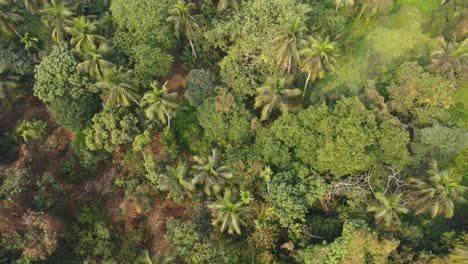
{"x":234,"y":131}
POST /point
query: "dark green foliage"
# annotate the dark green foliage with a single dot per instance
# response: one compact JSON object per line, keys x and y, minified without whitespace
{"x":49,"y":193}
{"x":57,"y":76}
{"x":13,"y":183}
{"x":74,"y":113}
{"x":15,"y":61}
{"x":9,"y":150}
{"x":200,"y":85}
{"x":293,"y":192}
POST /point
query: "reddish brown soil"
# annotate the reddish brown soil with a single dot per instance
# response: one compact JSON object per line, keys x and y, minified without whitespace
{"x":176,"y":79}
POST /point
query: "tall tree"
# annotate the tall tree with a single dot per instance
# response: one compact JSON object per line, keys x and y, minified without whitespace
{"x":8,"y":17}
{"x":438,"y":194}
{"x":56,"y":15}
{"x":181,"y":15}
{"x":451,"y":59}
{"x":318,"y":57}
{"x":285,"y":46}
{"x":225,"y":4}
{"x":117,"y":87}
{"x":174,"y":181}
{"x":229,"y":214}
{"x":274,"y":94}
{"x":387,"y":209}
{"x":83,"y":32}
{"x":159,"y":103}
{"x":94,"y":63}
{"x":211,"y":173}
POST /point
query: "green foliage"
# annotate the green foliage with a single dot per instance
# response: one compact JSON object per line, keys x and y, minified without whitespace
{"x":293,"y":192}
{"x":14,"y":60}
{"x":340,"y":140}
{"x":143,"y":34}
{"x":159,"y":104}
{"x":356,"y":245}
{"x":419,"y":97}
{"x":387,"y":209}
{"x":49,"y":194}
{"x":224,"y":128}
{"x":74,"y":113}
{"x":110,"y":128}
{"x":56,"y":76}
{"x":200,"y":85}
{"x":9,"y":150}
{"x":245,"y":35}
{"x":96,"y":239}
{"x":438,"y":142}
{"x":183,"y":235}
{"x":35,"y":130}
{"x":175,"y":182}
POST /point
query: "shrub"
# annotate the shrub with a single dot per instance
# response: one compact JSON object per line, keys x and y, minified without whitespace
{"x":200,"y":84}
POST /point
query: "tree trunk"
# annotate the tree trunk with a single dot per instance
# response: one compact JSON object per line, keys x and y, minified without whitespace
{"x":289,"y":65}
{"x":305,"y":86}
{"x":168,"y":120}
{"x":193,"y":49}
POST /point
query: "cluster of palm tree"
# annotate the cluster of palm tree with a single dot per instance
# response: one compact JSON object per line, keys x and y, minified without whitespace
{"x":185,"y":22}
{"x":387,"y":209}
{"x":292,"y":49}
{"x":211,"y":174}
{"x":451,"y":59}
{"x":438,"y":193}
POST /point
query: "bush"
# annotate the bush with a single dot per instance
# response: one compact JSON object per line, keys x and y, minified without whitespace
{"x":200,"y":84}
{"x":74,"y":113}
{"x":9,"y":150}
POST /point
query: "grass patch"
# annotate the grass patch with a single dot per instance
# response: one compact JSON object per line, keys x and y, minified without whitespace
{"x":425,"y":6}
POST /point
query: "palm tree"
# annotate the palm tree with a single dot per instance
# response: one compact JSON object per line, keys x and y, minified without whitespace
{"x":117,"y":87}
{"x":318,"y":57}
{"x":451,"y":59}
{"x":211,"y":173}
{"x":7,"y":18}
{"x":225,"y":4}
{"x":156,"y":259}
{"x":184,"y":22}
{"x":460,"y":254}
{"x":94,"y":63}
{"x":387,"y":209}
{"x":160,"y":103}
{"x":438,"y":194}
{"x":31,"y":130}
{"x":286,"y":45}
{"x":174,"y":181}
{"x":273,"y":94}
{"x":56,"y":15}
{"x":229,"y":214}
{"x":340,"y":3}
{"x":83,"y":34}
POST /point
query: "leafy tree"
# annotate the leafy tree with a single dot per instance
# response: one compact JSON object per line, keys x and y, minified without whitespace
{"x":287,"y":44}
{"x":83,"y":32}
{"x":225,"y":4}
{"x":438,"y":194}
{"x":150,"y":53}
{"x":387,"y":209}
{"x":94,"y":63}
{"x":34,"y":130}
{"x":451,"y":60}
{"x":318,"y":57}
{"x":110,"y":128}
{"x":357,"y":244}
{"x":56,"y":15}
{"x":419,"y":96}
{"x":293,"y":192}
{"x":117,"y":87}
{"x":175,"y":183}
{"x":181,"y":15}
{"x":74,"y":113}
{"x":231,"y":215}
{"x":274,"y":94}
{"x":14,"y":60}
{"x":230,"y":128}
{"x":56,"y":76}
{"x":200,"y":84}
{"x":160,"y":104}
{"x":211,"y":173}
{"x":8,"y":17}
